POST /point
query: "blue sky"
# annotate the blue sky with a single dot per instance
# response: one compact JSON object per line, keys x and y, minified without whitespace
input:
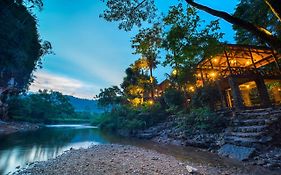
{"x":91,"y":53}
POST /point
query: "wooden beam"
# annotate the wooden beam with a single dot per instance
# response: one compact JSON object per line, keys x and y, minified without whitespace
{"x":227,"y":60}
{"x":252,"y":59}
{"x":276,"y":61}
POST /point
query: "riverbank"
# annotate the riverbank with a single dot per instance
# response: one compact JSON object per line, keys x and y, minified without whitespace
{"x":119,"y":159}
{"x":169,"y":133}
{"x":15,"y":126}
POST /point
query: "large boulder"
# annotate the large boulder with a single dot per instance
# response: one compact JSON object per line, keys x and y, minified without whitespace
{"x":236,"y":152}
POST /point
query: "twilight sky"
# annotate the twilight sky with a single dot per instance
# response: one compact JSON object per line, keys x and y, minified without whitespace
{"x":91,"y":53}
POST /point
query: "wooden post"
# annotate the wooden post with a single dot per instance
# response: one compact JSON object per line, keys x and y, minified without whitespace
{"x":202,"y":76}
{"x":264,"y":96}
{"x":236,"y":94}
{"x":222,"y":95}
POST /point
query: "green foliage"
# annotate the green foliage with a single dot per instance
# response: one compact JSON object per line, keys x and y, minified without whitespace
{"x":208,"y":95}
{"x":203,"y":120}
{"x":147,"y":43}
{"x":129,"y":13}
{"x":174,"y":98}
{"x":257,"y":12}
{"x":45,"y":106}
{"x":130,"y":119}
{"x":109,"y":96}
{"x":188,"y":39}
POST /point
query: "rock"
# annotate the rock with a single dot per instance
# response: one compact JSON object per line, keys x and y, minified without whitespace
{"x":154,"y":158}
{"x":191,"y":169}
{"x":236,"y":152}
{"x":260,"y":162}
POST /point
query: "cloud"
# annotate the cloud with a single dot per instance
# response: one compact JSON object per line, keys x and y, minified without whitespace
{"x":65,"y":85}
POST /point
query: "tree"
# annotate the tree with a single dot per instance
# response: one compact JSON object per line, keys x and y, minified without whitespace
{"x":187,"y":40}
{"x":136,"y":85}
{"x":109,"y":97}
{"x":252,"y":10}
{"x":128,"y":13}
{"x":44,"y":106}
{"x":147,"y":43}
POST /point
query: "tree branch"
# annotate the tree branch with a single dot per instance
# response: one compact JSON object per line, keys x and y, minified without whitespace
{"x":256,"y":30}
{"x":275,"y":7}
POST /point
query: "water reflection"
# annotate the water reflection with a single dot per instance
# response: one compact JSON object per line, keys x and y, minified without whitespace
{"x":20,"y":149}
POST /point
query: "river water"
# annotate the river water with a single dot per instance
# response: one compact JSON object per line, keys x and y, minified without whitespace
{"x":20,"y":149}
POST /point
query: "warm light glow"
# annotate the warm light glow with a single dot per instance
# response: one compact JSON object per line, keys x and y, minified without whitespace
{"x":151,"y":79}
{"x":215,"y":60}
{"x":191,"y":89}
{"x":248,"y":86}
{"x":233,"y":61}
{"x":248,"y":62}
{"x":279,"y":89}
{"x":175,"y":72}
{"x":213,"y":74}
{"x":136,"y":101}
{"x":150,"y":102}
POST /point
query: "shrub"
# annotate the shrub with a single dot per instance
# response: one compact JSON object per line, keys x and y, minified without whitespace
{"x":174,"y":98}
{"x":130,"y":118}
{"x":203,"y":119}
{"x":208,"y":95}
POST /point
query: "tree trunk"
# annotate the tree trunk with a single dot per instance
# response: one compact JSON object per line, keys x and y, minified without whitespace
{"x":260,"y":32}
{"x":275,"y":6}
{"x":151,"y":81}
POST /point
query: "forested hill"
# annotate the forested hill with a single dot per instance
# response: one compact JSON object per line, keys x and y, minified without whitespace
{"x":85,"y":105}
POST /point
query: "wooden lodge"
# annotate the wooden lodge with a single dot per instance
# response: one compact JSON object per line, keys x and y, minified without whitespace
{"x":247,"y":76}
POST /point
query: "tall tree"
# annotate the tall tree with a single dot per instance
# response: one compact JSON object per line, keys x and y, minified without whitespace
{"x":147,"y":43}
{"x":128,"y":13}
{"x":187,"y":40}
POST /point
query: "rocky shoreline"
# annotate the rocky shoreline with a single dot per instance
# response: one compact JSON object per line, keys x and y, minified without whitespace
{"x":12,"y":127}
{"x":120,"y":159}
{"x":168,"y":133}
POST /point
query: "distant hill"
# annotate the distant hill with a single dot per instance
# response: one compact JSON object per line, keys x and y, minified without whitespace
{"x":85,"y":105}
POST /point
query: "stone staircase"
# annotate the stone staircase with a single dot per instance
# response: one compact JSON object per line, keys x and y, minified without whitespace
{"x":253,"y":128}
{"x":251,"y":131}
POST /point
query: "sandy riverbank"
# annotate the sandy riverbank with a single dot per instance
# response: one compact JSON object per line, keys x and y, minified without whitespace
{"x":12,"y":127}
{"x":120,"y":160}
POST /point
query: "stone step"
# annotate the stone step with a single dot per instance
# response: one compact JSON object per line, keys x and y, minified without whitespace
{"x":249,"y":128}
{"x":251,"y":122}
{"x":241,"y":141}
{"x":247,"y":134}
{"x":244,"y":141}
{"x":265,"y":114}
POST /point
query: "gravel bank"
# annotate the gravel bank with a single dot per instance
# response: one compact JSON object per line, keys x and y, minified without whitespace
{"x":119,"y":160}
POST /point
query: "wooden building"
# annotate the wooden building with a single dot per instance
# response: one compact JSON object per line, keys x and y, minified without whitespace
{"x":247,"y":76}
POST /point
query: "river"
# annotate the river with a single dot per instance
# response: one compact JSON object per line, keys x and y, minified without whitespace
{"x":20,"y":149}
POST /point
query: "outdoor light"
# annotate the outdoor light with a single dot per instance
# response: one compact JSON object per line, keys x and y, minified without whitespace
{"x":175,"y":72}
{"x":213,"y":74}
{"x":150,"y":102}
{"x":191,"y":89}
